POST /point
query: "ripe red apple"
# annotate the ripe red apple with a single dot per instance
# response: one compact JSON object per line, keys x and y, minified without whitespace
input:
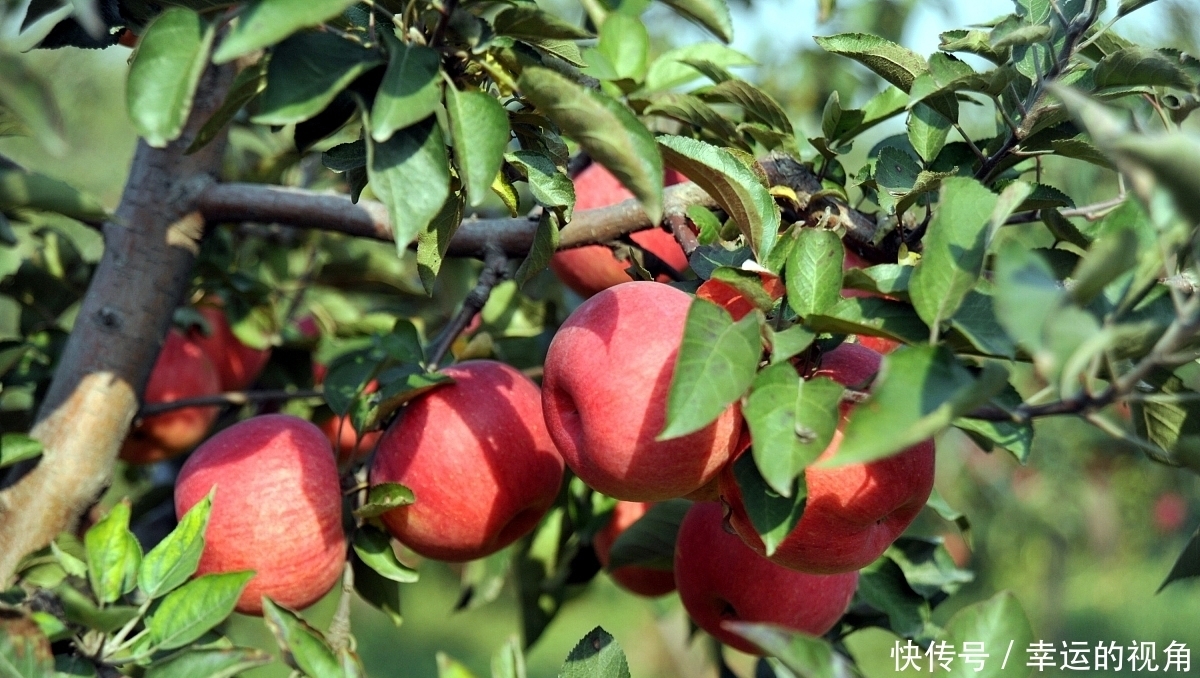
{"x":592,"y":268}
{"x":729,"y":298}
{"x":346,"y":443}
{"x":720,"y":579}
{"x":607,"y":375}
{"x":182,"y":370}
{"x":1170,"y":511}
{"x":477,"y":457}
{"x":853,"y":512}
{"x":645,"y":581}
{"x":237,"y":364}
{"x":277,"y":509}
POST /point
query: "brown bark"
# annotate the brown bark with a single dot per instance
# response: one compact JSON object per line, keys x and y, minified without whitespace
{"x":148,"y":255}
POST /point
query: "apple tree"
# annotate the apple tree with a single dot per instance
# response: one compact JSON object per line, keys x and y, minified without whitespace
{"x":497,"y":148}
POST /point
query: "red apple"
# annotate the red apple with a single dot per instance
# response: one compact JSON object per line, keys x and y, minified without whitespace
{"x":729,"y":298}
{"x":853,"y":512}
{"x":277,"y":509}
{"x":877,"y":344}
{"x":181,"y":371}
{"x":477,"y":457}
{"x":721,"y":580}
{"x":237,"y":364}
{"x":1170,"y":511}
{"x":645,"y":581}
{"x":607,"y":375}
{"x":592,"y":268}
{"x":345,"y":440}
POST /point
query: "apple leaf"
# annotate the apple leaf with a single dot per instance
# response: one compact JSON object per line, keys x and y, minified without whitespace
{"x":919,"y":391}
{"x":434,"y":242}
{"x":480,"y":131}
{"x":894,"y":63}
{"x":755,"y":102}
{"x":247,"y":85}
{"x":528,"y":22}
{"x":772,"y":514}
{"x":789,"y":343}
{"x":887,"y":279}
{"x":803,"y":654}
{"x":113,"y":554}
{"x":410,"y":172}
{"x":164,"y":71}
{"x":955,"y":246}
{"x":711,"y":14}
{"x":976,"y":320}
{"x":733,"y":185}
{"x":550,"y":186}
{"x":509,"y":661}
{"x":299,"y":86}
{"x":814,"y":272}
{"x":193,"y":609}
{"x":874,"y":317}
{"x":18,"y":447}
{"x":608,"y":131}
{"x":28,"y":99}
{"x":378,"y":591}
{"x":175,"y":558}
{"x":304,"y":648}
{"x":384,"y":497}
{"x":374,"y":548}
{"x":791,"y":421}
{"x":449,"y":667}
{"x":411,"y":89}
{"x":882,"y":585}
{"x":650,"y":540}
{"x":35,"y":191}
{"x":545,"y":244}
{"x":716,"y":363}
{"x":1027,"y":295}
{"x":262,"y":23}
{"x":997,"y":626}
{"x":211,"y":663}
{"x":597,"y":655}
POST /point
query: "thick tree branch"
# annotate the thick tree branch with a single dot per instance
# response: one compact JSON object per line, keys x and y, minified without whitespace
{"x":124,"y":317}
{"x":368,"y":219}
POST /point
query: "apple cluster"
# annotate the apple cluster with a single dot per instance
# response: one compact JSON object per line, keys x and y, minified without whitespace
{"x":485,"y":453}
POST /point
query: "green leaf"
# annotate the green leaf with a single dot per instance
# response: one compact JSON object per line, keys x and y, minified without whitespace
{"x":24,"y":649}
{"x":650,"y":540}
{"x":671,"y":69}
{"x":193,"y":609}
{"x":883,"y":586}
{"x":711,"y":14}
{"x":374,"y":548}
{"x":411,"y":89}
{"x":410,"y":173}
{"x":263,"y":23}
{"x":550,"y":186}
{"x":509,"y":661}
{"x":378,"y":591}
{"x":804,"y":655}
{"x":874,"y":317}
{"x":1187,"y":565}
{"x":1140,"y":66}
{"x":527,"y":22}
{"x":176,"y":557}
{"x":448,"y":667}
{"x":79,"y":609}
{"x":25,"y":96}
{"x":545,"y":244}
{"x":303,"y":647}
{"x":889,"y":279}
{"x":480,"y":131}
{"x":881,"y":107}
{"x":773,"y":515}
{"x":214,"y":663}
{"x":434,"y":242}
{"x":716,"y":364}
{"x":898,"y":65}
{"x":733,"y":185}
{"x":692,"y":110}
{"x":955,"y":246}
{"x":927,"y":131}
{"x":919,"y":391}
{"x":300,"y":86}
{"x":1128,"y":6}
{"x":30,"y":190}
{"x":789,"y":343}
{"x":998,"y":622}
{"x":1026,"y":294}
{"x":1111,"y":255}
{"x":384,"y":497}
{"x":608,"y":131}
{"x":597,"y":655}
{"x":976,"y":320}
{"x":113,"y":555}
{"x":18,"y":447}
{"x":972,"y":41}
{"x":625,"y":46}
{"x":791,"y":422}
{"x":757,"y":103}
{"x":1008,"y":435}
{"x":814,"y":272}
{"x":247,"y":85}
{"x":164,"y":71}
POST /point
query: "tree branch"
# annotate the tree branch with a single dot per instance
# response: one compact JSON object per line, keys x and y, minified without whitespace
{"x":495,"y":268}
{"x":145,"y":269}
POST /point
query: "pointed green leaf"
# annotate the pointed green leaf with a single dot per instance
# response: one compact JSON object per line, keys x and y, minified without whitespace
{"x":804,"y":655}
{"x":711,"y":14}
{"x":716,"y":364}
{"x":791,"y":422}
{"x":525,"y":22}
{"x":374,"y":548}
{"x":672,"y":70}
{"x":625,"y":46}
{"x":1128,"y":6}
{"x":955,"y":245}
{"x":1111,"y":255}
{"x":597,"y":655}
{"x":448,"y":667}
{"x":410,"y":172}
{"x":998,"y":622}
{"x":773,"y":515}
{"x":304,"y":648}
{"x":509,"y":661}
{"x":26,"y":97}
{"x":550,"y":186}
{"x":919,"y":391}
{"x":608,"y":131}
{"x":216,"y":663}
{"x":874,"y":317}
{"x":789,"y":343}
{"x":434,"y":242}
{"x":113,"y":555}
{"x":193,"y":609}
{"x":164,"y":71}
{"x":176,"y":557}
{"x":976,"y":320}
{"x":480,"y":131}
{"x":247,"y":85}
{"x":263,"y":23}
{"x":692,"y":110}
{"x":384,"y":497}
{"x":17,"y":447}
{"x":650,"y":540}
{"x":758,"y":104}
{"x":733,"y":185}
{"x":378,"y":591}
{"x":814,"y":272}
{"x":927,"y":131}
{"x":1026,"y":295}
{"x":411,"y":89}
{"x":300,"y":86}
{"x":545,"y":244}
{"x":1140,"y":66}
{"x":898,"y":65}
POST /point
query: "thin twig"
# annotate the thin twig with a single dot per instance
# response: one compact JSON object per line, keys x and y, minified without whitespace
{"x":495,"y":268}
{"x":1090,"y":212}
{"x":228,"y":398}
{"x":440,"y":30}
{"x":683,"y":233}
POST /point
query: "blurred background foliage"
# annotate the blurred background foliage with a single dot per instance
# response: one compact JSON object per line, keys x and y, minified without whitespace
{"x":1083,"y":535}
